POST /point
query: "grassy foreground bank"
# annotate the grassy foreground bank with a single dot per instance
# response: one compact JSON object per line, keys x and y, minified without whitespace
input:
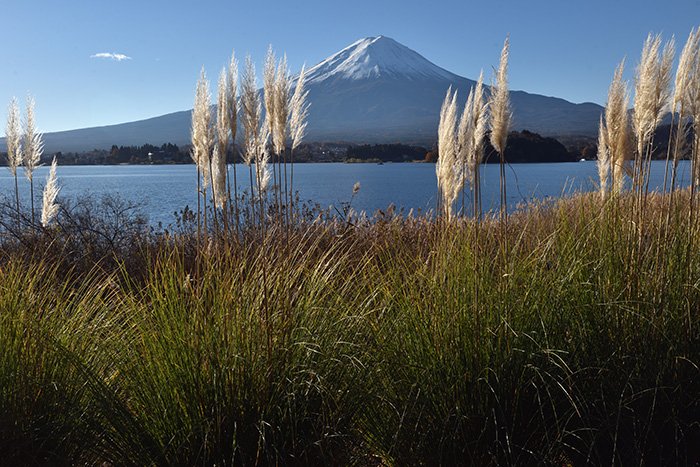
{"x":569,"y":338}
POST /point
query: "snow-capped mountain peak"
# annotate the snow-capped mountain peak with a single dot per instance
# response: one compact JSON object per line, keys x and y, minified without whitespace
{"x":375,"y":57}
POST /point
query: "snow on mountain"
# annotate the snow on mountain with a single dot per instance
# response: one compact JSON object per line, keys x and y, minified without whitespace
{"x":375,"y":90}
{"x":376,"y":57}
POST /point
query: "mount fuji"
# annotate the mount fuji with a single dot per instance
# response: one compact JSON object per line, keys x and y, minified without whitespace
{"x":380,"y":90}
{"x":375,"y":90}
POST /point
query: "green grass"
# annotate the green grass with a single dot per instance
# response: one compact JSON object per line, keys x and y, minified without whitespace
{"x":401,"y":341}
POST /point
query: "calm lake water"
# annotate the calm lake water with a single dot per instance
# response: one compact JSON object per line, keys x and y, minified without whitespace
{"x":163,"y":190}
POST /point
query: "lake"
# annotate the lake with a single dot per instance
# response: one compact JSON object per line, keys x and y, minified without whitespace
{"x":164,"y":189}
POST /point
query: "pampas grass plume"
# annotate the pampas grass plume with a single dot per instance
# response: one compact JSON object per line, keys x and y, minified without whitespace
{"x":231,"y":91}
{"x":269,"y":72}
{"x":49,"y":207}
{"x":652,"y":88}
{"x":202,"y":131}
{"x":282,"y":90}
{"x":256,"y":131}
{"x":33,"y":145}
{"x":465,"y":130}
{"x":298,"y":110}
{"x":448,"y":168}
{"x":687,"y":73}
{"x":618,"y":130}
{"x":252,"y":112}
{"x":500,"y":103}
{"x":480,"y":121}
{"x":223,"y":129}
{"x":13,"y":137}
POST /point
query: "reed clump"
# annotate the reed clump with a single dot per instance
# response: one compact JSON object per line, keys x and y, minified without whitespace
{"x":371,"y":348}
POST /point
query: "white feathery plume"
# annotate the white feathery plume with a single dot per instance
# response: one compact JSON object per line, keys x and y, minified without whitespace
{"x":481,"y":121}
{"x":13,"y":137}
{"x":298,"y":110}
{"x":202,"y":129}
{"x":665,"y":77}
{"x":647,"y":70}
{"x":465,"y":131}
{"x":232,"y":103}
{"x":282,"y":90}
{"x":256,"y":131}
{"x":692,"y":89}
{"x":694,"y":113}
{"x":49,"y":207}
{"x":251,"y":112}
{"x":687,"y":85}
{"x":618,"y":130}
{"x":687,"y":72}
{"x":479,"y":124}
{"x":33,"y":146}
{"x":269,"y":89}
{"x":223,"y":129}
{"x":652,"y":89}
{"x":445,"y":134}
{"x":448,"y":168}
{"x":500,"y":103}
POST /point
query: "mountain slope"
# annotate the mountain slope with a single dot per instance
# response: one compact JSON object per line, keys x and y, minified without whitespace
{"x":379,"y":90}
{"x":169,"y":128}
{"x":375,"y":90}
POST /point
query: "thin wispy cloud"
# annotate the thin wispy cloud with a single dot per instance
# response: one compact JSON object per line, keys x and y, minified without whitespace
{"x":111,"y":56}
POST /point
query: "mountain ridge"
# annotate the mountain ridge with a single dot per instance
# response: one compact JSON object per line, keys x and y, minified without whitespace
{"x":375,"y":90}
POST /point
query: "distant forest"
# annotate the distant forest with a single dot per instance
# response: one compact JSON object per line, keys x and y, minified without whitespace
{"x":385,"y":153}
{"x":522,"y":146}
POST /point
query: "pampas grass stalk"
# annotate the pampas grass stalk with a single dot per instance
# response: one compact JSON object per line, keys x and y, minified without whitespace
{"x":283,"y":86}
{"x":298,"y":113}
{"x":232,"y":106}
{"x":256,"y":133}
{"x":223,"y":129}
{"x":465,"y":130}
{"x":33,"y":148}
{"x":644,"y":103}
{"x":13,"y":140}
{"x":49,"y":207}
{"x":501,"y":116}
{"x":202,"y":141}
{"x":665,"y":78}
{"x":251,"y":110}
{"x":269,"y":85}
{"x":479,"y":121}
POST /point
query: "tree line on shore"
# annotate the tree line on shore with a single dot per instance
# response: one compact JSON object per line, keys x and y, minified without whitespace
{"x":524,"y":146}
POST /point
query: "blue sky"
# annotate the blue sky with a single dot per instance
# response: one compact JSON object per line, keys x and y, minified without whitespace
{"x":561,"y":48}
